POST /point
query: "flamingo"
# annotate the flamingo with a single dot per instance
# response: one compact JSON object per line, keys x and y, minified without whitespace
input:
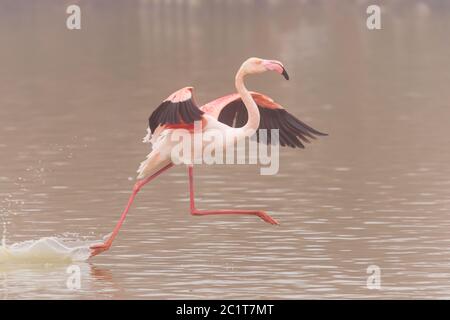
{"x":237,"y":115}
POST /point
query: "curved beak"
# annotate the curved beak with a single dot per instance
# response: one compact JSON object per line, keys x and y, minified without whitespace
{"x":276,"y":66}
{"x":285,"y":74}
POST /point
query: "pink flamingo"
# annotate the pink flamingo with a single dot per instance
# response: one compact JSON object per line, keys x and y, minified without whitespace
{"x":237,"y":116}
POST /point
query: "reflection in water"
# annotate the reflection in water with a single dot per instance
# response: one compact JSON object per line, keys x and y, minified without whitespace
{"x":49,"y":280}
{"x":73,"y":110}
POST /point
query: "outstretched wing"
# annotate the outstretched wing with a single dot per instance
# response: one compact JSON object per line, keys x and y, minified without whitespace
{"x":178,"y":108}
{"x":292,"y":132}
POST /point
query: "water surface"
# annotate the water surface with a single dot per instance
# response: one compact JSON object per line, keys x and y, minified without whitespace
{"x":74,"y":107}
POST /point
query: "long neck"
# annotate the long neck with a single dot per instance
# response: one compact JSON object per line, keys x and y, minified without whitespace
{"x":252,"y":109}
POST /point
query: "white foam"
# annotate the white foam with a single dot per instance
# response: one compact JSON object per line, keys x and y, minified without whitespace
{"x":44,"y":250}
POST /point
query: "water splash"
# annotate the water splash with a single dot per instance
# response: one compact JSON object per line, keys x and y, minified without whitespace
{"x":44,"y":250}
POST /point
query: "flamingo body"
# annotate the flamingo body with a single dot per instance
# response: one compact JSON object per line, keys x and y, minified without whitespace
{"x":236,"y":116}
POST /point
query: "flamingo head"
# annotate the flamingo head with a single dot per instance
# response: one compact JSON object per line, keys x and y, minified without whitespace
{"x":257,"y":65}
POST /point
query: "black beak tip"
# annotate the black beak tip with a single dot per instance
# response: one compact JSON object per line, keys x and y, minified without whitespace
{"x":285,"y":74}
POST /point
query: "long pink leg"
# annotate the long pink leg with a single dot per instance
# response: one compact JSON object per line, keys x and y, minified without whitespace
{"x":195,"y":211}
{"x":98,"y":248}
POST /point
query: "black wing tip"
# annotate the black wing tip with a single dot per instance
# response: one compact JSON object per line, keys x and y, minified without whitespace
{"x":169,"y":112}
{"x":293,"y":133}
{"x":318,"y":133}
